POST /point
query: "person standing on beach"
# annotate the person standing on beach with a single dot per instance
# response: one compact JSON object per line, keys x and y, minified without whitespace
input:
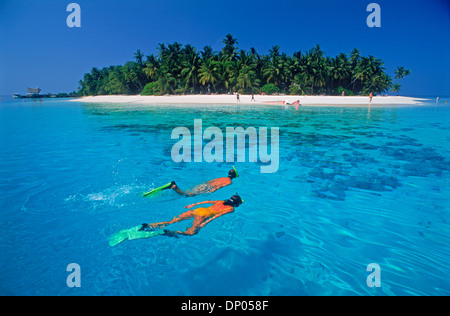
{"x":370,"y":97}
{"x":253,"y":98}
{"x":237,"y":96}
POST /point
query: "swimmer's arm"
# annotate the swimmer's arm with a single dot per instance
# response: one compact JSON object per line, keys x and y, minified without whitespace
{"x":204,"y":202}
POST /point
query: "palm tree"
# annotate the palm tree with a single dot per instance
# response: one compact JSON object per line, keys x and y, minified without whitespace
{"x":173,"y":58}
{"x":315,"y":66}
{"x":190,"y":64}
{"x":247,"y":79}
{"x":228,"y":52}
{"x":272,"y":73}
{"x":229,"y":40}
{"x":227,"y":71}
{"x":138,"y":56}
{"x":132,"y":74}
{"x":208,"y":73}
{"x":115,"y":84}
{"x":166,"y":82}
{"x":273,"y":66}
{"x":88,"y":84}
{"x":375,"y":78}
{"x":152,"y":66}
{"x":401,"y":72}
{"x":344,"y":71}
{"x":274,"y":52}
{"x":363,"y":73}
{"x":355,"y":57}
{"x":162,"y":51}
{"x":207,"y":53}
{"x":396,"y":87}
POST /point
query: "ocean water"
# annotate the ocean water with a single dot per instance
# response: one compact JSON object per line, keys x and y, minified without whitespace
{"x":355,"y":186}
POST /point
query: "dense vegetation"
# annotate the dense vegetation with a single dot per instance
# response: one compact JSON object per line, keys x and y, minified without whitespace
{"x":181,"y":70}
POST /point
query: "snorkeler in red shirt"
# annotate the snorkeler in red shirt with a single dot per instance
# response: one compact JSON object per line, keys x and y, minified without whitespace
{"x":207,"y":187}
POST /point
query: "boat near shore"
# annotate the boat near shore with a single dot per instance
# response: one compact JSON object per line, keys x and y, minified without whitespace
{"x":35,"y":93}
{"x":33,"y":96}
{"x":32,"y":93}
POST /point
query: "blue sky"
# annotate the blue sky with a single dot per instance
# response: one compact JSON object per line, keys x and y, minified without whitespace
{"x":38,"y":49}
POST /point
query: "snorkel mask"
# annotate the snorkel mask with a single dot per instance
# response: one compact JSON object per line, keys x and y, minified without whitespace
{"x":233,"y":173}
{"x":234,"y":201}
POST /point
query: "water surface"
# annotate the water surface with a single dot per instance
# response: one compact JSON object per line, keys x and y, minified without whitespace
{"x":355,"y":186}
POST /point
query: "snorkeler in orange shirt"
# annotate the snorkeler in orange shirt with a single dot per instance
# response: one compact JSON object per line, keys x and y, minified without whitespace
{"x":202,"y":216}
{"x":208,"y":187}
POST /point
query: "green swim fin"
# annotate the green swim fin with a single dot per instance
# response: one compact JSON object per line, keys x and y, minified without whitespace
{"x":131,"y":234}
{"x":164,"y":187}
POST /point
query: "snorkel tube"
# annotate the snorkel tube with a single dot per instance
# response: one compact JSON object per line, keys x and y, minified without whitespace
{"x":237,"y":174}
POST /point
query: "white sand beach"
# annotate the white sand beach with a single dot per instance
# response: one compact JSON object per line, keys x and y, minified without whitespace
{"x":259,"y":99}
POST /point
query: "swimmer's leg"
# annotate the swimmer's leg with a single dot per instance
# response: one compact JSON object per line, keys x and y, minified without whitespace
{"x":176,"y":219}
{"x":199,"y":189}
{"x":193,"y":230}
{"x":175,"y":187}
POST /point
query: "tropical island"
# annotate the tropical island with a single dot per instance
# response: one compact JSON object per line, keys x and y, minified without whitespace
{"x":183,"y":70}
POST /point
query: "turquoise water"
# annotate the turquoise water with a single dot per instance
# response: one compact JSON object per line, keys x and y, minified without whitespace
{"x":355,"y":186}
